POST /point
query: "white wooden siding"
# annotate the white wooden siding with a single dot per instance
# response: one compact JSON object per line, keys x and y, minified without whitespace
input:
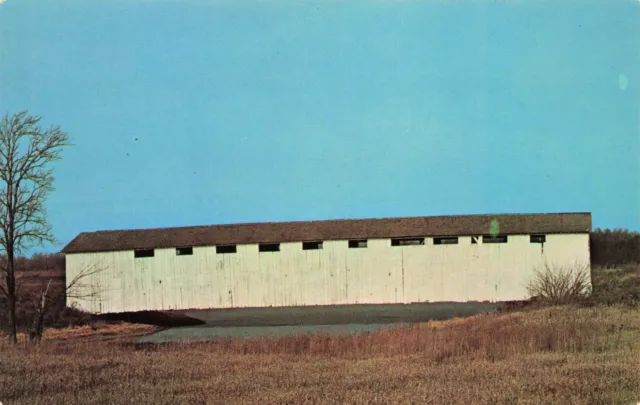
{"x":335,"y":274}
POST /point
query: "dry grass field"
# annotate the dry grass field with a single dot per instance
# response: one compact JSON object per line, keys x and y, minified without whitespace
{"x":559,"y":355}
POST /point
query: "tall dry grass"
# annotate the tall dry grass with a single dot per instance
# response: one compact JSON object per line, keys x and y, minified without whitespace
{"x":557,"y":355}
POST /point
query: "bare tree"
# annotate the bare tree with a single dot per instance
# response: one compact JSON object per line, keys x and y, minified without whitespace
{"x":37,"y":324}
{"x":26,"y":179}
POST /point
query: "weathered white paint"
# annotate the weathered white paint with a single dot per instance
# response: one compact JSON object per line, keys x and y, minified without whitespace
{"x":336,"y":274}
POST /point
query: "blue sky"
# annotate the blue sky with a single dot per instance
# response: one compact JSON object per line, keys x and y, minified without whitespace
{"x":270,"y":111}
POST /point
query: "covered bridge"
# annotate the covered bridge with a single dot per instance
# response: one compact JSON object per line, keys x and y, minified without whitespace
{"x":355,"y":261}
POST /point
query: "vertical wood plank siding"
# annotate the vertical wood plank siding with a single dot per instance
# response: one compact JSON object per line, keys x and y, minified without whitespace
{"x":335,"y":274}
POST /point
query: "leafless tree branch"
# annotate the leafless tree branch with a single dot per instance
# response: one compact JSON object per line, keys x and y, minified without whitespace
{"x":76,"y":287}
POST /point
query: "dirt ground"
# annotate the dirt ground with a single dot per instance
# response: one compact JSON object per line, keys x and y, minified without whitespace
{"x":342,"y":319}
{"x":206,"y":333}
{"x":339,"y":314}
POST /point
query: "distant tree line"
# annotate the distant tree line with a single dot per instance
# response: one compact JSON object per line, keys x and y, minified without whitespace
{"x":614,"y":247}
{"x":41,"y":262}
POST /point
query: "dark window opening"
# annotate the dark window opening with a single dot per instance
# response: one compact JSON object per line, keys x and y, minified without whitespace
{"x":269,"y":247}
{"x":451,"y":240}
{"x":143,"y":253}
{"x":311,"y":245}
{"x":184,"y":251}
{"x":357,"y":243}
{"x":494,"y":239}
{"x":474,"y":240}
{"x":226,"y":249}
{"x":407,"y":241}
{"x":537,"y":238}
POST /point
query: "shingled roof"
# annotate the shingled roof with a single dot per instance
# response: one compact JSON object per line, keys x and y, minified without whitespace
{"x":273,"y":232}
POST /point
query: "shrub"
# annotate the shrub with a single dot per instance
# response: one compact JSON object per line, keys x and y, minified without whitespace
{"x":617,"y":285}
{"x":560,"y":285}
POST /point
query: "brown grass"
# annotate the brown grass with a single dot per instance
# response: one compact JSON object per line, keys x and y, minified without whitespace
{"x":558,"y":355}
{"x":99,"y":329}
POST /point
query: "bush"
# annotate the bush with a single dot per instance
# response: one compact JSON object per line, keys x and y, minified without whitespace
{"x":619,"y":285}
{"x":560,"y":285}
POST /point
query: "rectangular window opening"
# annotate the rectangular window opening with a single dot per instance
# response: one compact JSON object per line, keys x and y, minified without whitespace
{"x":494,"y":239}
{"x":407,"y":241}
{"x":357,"y":243}
{"x":537,"y":238}
{"x":474,"y":240}
{"x":449,"y":240}
{"x":269,"y":247}
{"x":143,"y":253}
{"x":226,"y":249}
{"x":311,"y":245}
{"x":184,"y":251}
